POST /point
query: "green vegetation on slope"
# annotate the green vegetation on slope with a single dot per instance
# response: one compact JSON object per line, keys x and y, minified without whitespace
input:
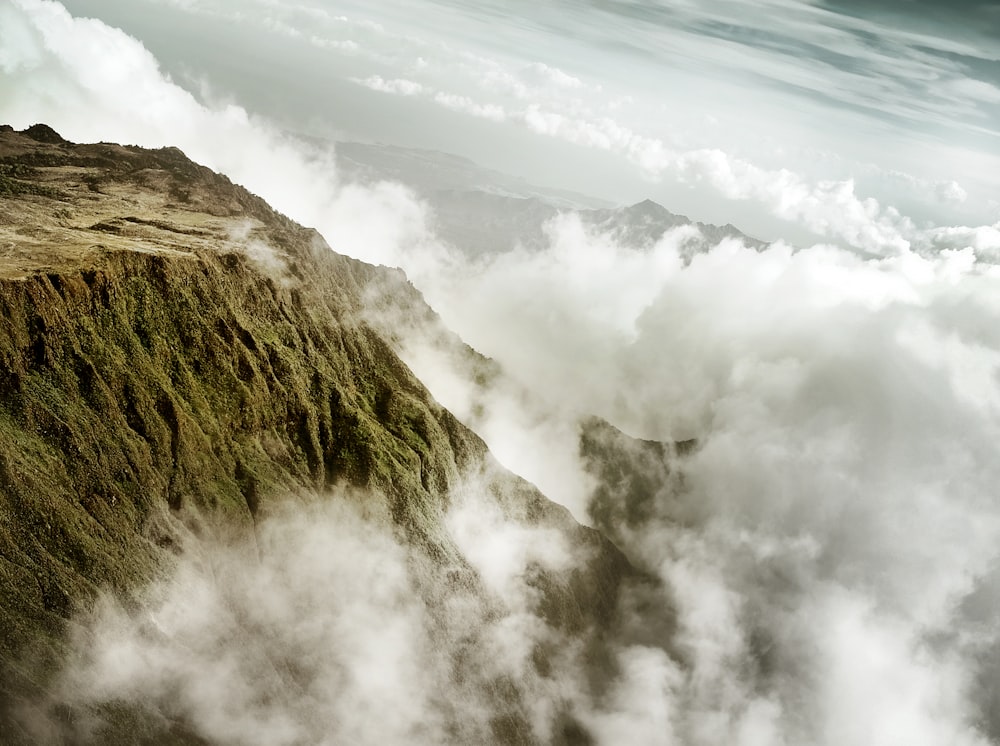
{"x":158,"y":383}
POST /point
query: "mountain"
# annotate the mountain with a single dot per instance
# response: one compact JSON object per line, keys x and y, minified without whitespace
{"x":644,"y":223}
{"x":481,"y":223}
{"x":483,"y":212}
{"x":177,"y":361}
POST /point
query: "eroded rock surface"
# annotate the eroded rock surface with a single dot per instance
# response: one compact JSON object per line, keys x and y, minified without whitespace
{"x":175,"y":357}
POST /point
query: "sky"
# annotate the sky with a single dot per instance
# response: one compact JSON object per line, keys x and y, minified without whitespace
{"x":729,"y":111}
{"x":830,"y":547}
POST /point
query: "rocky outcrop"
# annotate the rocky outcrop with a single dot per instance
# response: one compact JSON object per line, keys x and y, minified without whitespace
{"x":174,"y":358}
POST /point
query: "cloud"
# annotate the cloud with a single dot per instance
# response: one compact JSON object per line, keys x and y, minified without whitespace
{"x":280,"y":27}
{"x":887,"y":66}
{"x":268,"y":259}
{"x":787,"y":87}
{"x":316,"y":630}
{"x":984,"y":239}
{"x":241,"y":663}
{"x":554,"y":75}
{"x":347,"y":46}
{"x":951,"y":191}
{"x":529,"y":83}
{"x":862,"y":60}
{"x":398,"y":86}
{"x":827,"y":208}
{"x":327,"y":624}
{"x":827,"y":550}
{"x":820,"y":542}
{"x":466,"y":105}
{"x":124,"y":96}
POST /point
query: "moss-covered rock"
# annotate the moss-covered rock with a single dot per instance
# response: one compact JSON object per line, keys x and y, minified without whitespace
{"x":157,"y":381}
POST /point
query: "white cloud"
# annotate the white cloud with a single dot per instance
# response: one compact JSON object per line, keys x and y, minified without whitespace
{"x":549,"y":100}
{"x":281,"y":27}
{"x":984,"y":239}
{"x":466,"y":105}
{"x":826,"y":208}
{"x":554,"y":75}
{"x":316,"y":631}
{"x":820,"y":542}
{"x":347,"y":46}
{"x":398,"y":86}
{"x":770,"y":78}
{"x":951,"y":191}
{"x":829,"y":208}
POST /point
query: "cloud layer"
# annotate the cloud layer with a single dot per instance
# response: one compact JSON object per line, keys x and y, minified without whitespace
{"x":825,"y":540}
{"x":831,"y":121}
{"x":829,"y":545}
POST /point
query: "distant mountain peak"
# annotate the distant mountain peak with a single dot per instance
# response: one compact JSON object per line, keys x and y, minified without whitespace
{"x":649,"y":208}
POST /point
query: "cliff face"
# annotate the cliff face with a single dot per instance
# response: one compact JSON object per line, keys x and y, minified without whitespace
{"x":174,"y":358}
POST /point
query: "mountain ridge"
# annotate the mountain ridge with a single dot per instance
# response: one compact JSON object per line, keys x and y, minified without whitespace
{"x":482,"y":212}
{"x":177,"y":357}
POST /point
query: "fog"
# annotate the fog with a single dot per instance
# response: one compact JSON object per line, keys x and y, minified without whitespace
{"x":826,"y":539}
{"x":327,"y":628}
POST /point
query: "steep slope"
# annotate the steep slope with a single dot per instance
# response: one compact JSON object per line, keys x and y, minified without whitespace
{"x":175,"y":358}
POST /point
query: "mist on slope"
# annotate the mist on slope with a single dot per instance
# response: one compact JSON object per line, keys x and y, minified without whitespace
{"x":328,"y":626}
{"x":830,"y":545}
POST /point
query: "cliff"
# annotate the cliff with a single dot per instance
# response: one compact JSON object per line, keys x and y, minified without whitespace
{"x":176,"y":357}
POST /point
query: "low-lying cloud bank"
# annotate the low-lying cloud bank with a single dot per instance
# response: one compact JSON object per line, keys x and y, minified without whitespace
{"x":829,"y":544}
{"x":831,"y":541}
{"x":328,"y":626}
